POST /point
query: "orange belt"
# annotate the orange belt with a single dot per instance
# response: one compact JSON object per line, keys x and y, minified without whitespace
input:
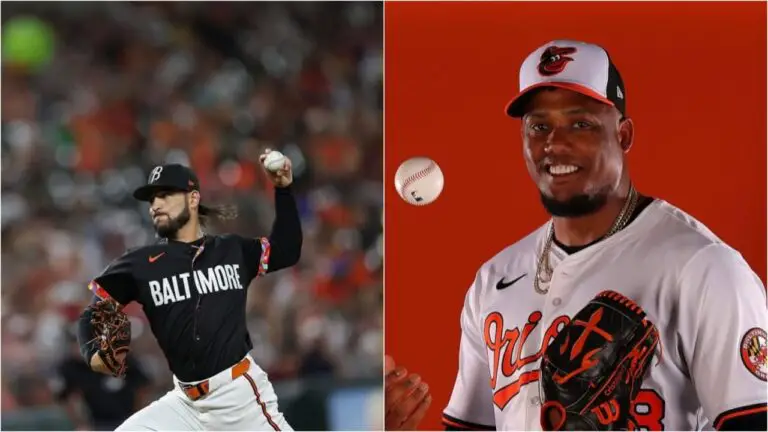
{"x":196,"y":391}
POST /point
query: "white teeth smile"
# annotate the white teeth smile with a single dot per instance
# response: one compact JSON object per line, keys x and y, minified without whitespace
{"x":562,"y":169}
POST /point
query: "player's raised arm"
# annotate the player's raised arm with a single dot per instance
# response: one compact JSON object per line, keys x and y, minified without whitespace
{"x":282,"y":248}
{"x":471,"y":404}
{"x":722,"y":324}
{"x":286,"y":237}
{"x":104,"y":332}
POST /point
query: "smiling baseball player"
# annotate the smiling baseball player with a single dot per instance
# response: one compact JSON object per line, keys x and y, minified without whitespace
{"x":623,"y":311}
{"x":192,"y":287}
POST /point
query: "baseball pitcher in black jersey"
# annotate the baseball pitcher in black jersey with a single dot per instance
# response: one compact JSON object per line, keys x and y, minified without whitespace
{"x":192,"y":287}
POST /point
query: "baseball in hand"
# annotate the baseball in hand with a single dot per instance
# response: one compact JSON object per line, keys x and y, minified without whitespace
{"x":274,"y":161}
{"x":419,"y":181}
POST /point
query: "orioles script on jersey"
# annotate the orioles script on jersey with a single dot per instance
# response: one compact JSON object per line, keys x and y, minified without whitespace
{"x":176,"y":288}
{"x":506,"y":346}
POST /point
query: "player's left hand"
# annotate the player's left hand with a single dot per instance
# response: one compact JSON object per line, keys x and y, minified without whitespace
{"x":406,"y":398}
{"x":282,"y":177}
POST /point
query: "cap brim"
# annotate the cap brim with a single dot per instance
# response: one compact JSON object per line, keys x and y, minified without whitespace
{"x":516,"y":107}
{"x":146,"y":192}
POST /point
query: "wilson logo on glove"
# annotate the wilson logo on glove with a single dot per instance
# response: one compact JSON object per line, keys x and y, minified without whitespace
{"x":607,"y":412}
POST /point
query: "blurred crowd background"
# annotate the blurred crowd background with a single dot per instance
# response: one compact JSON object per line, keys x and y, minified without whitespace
{"x":94,"y":95}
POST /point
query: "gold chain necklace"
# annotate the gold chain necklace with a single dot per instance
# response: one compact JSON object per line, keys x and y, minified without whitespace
{"x":621,"y":221}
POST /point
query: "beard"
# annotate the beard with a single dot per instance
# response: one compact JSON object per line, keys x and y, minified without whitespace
{"x":577,"y":205}
{"x":172,"y":227}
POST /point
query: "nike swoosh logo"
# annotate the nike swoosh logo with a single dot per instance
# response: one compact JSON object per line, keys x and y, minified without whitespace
{"x":154,"y":258}
{"x":500,"y":285}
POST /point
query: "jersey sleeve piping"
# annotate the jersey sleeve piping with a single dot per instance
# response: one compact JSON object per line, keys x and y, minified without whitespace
{"x":98,"y":291}
{"x":739,"y":412}
{"x":453,"y":422}
{"x":266,"y":249}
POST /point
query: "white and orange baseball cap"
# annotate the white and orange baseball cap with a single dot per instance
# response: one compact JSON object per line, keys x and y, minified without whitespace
{"x":578,"y":66}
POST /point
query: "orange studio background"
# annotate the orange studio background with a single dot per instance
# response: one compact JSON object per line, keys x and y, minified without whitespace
{"x":695,"y":75}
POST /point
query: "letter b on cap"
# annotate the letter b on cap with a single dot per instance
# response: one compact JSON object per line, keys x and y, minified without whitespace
{"x":155,"y":174}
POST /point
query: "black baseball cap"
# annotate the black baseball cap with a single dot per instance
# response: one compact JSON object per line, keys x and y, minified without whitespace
{"x":572,"y":65}
{"x":174,"y":177}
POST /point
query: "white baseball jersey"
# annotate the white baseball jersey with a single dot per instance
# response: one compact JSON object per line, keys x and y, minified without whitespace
{"x":709,"y":307}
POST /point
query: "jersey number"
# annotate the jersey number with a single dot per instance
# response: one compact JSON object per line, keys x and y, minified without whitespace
{"x":647,"y":411}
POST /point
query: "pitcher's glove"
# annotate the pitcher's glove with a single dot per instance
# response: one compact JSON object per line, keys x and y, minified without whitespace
{"x":594,"y":368}
{"x":112,"y":334}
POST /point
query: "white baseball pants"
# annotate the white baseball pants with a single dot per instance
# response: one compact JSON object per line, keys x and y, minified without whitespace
{"x":246,"y":403}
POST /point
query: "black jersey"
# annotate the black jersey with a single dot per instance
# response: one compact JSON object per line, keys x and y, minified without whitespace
{"x":194,"y":294}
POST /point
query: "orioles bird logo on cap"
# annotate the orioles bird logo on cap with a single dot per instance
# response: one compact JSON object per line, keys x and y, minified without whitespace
{"x":554,"y":60}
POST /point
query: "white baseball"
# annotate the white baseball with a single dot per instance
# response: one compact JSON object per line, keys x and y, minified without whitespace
{"x":419,"y":181}
{"x":274,"y":161}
